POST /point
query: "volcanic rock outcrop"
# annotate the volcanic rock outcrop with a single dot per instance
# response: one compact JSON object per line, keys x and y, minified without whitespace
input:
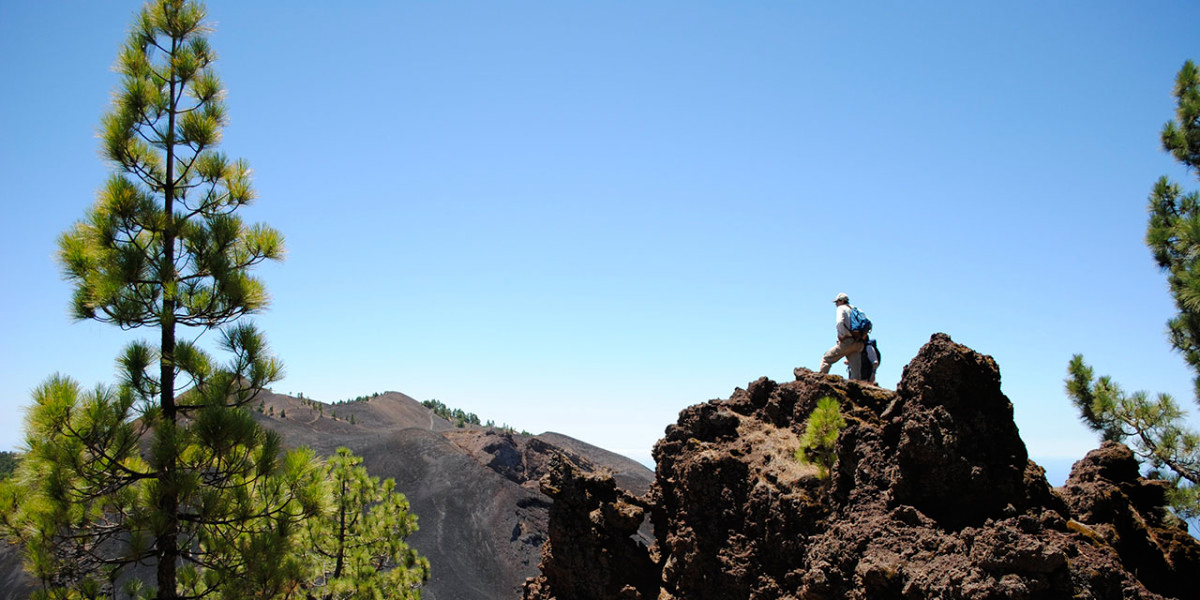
{"x":932,"y":495}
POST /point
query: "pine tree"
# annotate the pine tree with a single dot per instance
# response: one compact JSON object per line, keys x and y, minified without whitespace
{"x":1157,"y":427}
{"x":819,"y":442}
{"x":167,"y":468}
{"x":358,"y":548}
{"x":8,"y":463}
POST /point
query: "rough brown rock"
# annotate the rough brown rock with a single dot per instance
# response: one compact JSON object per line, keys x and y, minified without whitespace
{"x":1109,"y":500}
{"x":593,"y":552}
{"x":932,"y":496}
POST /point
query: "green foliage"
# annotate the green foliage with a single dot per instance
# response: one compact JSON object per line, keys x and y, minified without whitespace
{"x":8,"y":463}
{"x":1173,"y":232}
{"x":360,"y":399}
{"x":357,"y":548}
{"x":167,"y":469}
{"x":86,"y":499}
{"x":819,"y":442}
{"x":1156,"y":428}
{"x":1097,"y":400}
{"x":457,"y":415}
{"x":461,"y":418}
{"x":162,"y":246}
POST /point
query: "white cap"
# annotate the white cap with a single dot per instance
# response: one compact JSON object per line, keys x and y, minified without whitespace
{"x":842,"y":298}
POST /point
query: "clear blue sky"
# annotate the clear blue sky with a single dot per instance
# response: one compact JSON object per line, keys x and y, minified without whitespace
{"x":583,"y":217}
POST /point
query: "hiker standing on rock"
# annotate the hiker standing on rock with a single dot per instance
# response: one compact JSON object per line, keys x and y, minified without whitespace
{"x":848,"y":345}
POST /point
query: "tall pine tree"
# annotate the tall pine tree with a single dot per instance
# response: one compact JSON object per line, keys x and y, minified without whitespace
{"x":1157,"y":427}
{"x":164,"y":486}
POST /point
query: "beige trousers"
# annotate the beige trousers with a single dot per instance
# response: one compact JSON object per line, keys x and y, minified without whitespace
{"x":847,"y":347}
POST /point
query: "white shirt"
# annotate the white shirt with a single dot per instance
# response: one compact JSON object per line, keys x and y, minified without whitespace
{"x":843,"y":321}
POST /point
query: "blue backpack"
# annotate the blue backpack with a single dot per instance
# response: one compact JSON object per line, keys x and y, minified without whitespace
{"x":860,"y":325}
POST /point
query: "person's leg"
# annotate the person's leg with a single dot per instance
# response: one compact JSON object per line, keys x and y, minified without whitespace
{"x":831,"y":356}
{"x":843,"y":348}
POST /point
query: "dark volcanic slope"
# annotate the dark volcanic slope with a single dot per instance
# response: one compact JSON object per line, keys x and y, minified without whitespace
{"x":481,"y":532}
{"x":14,"y":583}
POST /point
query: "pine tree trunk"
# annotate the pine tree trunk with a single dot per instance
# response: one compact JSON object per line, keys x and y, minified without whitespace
{"x":168,"y":505}
{"x":341,"y":543}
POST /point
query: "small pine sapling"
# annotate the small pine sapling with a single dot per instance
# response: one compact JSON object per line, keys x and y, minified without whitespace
{"x":818,"y":444}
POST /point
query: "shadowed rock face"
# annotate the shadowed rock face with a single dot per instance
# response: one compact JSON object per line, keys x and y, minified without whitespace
{"x":932,"y":496}
{"x":589,"y":507}
{"x":960,"y":459}
{"x":1125,"y":512}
